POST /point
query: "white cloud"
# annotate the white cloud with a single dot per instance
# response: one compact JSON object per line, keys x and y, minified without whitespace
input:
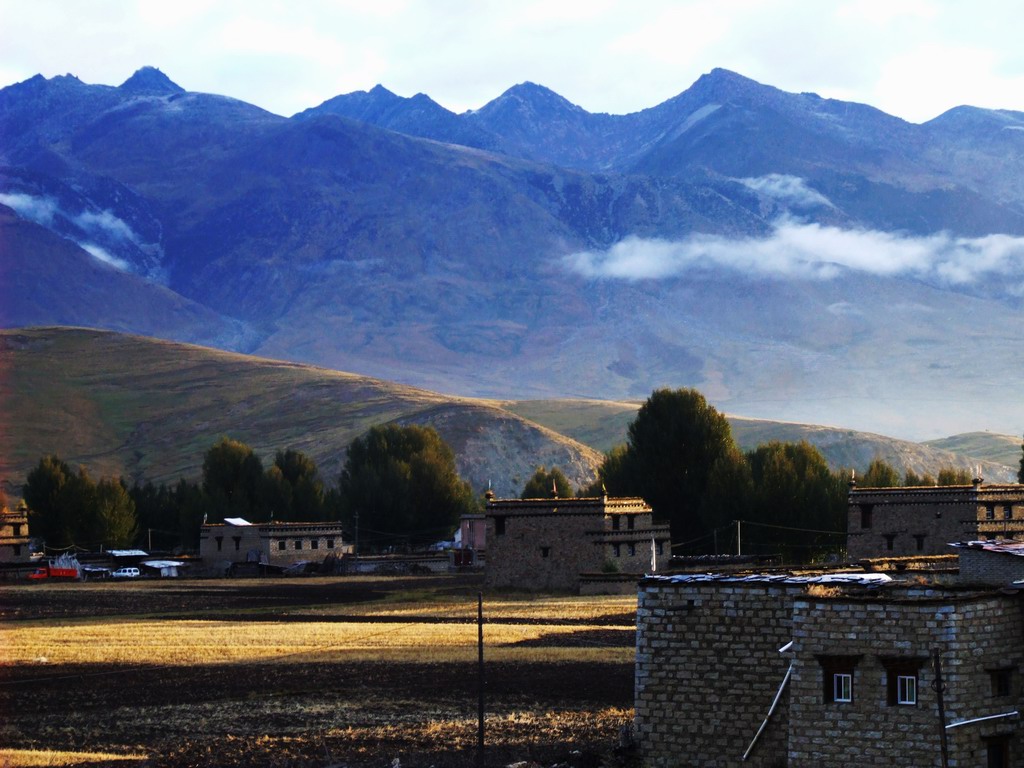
{"x":812,"y":252}
{"x":101,"y":254}
{"x":107,"y":223}
{"x":791,"y":190}
{"x":41,"y":210}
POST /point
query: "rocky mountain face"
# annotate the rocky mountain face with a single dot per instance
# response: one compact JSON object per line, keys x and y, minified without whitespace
{"x":793,"y":257}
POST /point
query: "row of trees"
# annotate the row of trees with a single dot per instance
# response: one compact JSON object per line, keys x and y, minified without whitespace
{"x":401,"y":480}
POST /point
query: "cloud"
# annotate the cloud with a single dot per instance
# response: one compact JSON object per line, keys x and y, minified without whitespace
{"x":105,"y":256}
{"x":813,"y":252}
{"x":791,"y":190}
{"x":106,"y":223}
{"x":41,"y":210}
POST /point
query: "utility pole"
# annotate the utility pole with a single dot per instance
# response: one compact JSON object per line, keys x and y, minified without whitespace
{"x":938,"y":686}
{"x":480,"y":679}
{"x":739,"y":534}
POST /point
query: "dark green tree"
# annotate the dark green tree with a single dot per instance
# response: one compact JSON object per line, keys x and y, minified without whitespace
{"x":729,"y":497}
{"x":912,"y":479}
{"x":953,"y":476}
{"x":798,"y":502}
{"x":115,"y":512}
{"x":403,"y":484}
{"x":879,"y":475}
{"x":43,"y":493}
{"x":295,"y":490}
{"x":233,"y":481}
{"x":546,"y":484}
{"x":674,"y":441}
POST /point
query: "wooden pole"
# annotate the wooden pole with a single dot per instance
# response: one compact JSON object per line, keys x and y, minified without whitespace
{"x":480,"y":679}
{"x":939,"y":688}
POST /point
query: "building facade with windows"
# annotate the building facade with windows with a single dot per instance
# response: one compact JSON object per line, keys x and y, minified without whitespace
{"x":541,"y":544}
{"x":894,"y":522}
{"x":14,"y":540}
{"x":826,"y":671}
{"x":239,"y":541}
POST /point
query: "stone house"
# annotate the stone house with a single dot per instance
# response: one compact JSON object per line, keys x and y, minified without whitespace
{"x":888,"y":522}
{"x":542,"y":544}
{"x":279,"y":544}
{"x":991,"y":562}
{"x":14,"y":540}
{"x":830,"y":670}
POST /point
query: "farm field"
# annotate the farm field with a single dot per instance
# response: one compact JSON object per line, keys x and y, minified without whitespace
{"x":353,"y":671}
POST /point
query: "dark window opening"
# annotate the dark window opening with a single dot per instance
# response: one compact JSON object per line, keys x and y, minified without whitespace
{"x":1007,"y":512}
{"x":298,"y":544}
{"x":314,"y":544}
{"x":1002,"y":681}
{"x":17,"y":550}
{"x":837,"y":677}
{"x":630,"y":522}
{"x":282,"y":544}
{"x":238,"y":542}
{"x":919,"y":538}
{"x":220,"y":542}
{"x":330,"y":543}
{"x":499,"y":526}
{"x":997,"y":751}
{"x":617,"y":550}
{"x":632,"y":550}
{"x":545,"y":551}
{"x":990,"y":512}
{"x":616,"y":522}
{"x":17,"y":529}
{"x":865,"y":515}
{"x":889,"y":539}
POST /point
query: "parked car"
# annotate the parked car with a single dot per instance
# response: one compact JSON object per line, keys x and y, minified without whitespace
{"x":126,"y":573}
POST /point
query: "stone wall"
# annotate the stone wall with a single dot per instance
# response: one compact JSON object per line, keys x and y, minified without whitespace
{"x":997,"y":568}
{"x":273,"y":543}
{"x":708,"y":667}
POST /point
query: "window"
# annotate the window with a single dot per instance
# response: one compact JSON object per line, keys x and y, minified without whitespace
{"x":630,"y":522}
{"x":330,"y":543}
{"x":545,"y":551}
{"x":919,"y":538}
{"x":632,"y":550}
{"x":997,"y":751}
{"x":238,"y":542}
{"x":314,"y":544}
{"x":1002,"y":681}
{"x":1007,"y":512}
{"x":298,"y":543}
{"x":658,"y":546}
{"x":990,"y":512}
{"x":220,"y":542}
{"x":282,"y":544}
{"x":837,"y":678}
{"x":616,"y":522}
{"x":17,"y":550}
{"x":889,"y":539}
{"x":499,"y":526}
{"x":17,"y":529}
{"x":906,"y":689}
{"x":617,"y":550}
{"x":842,"y":687}
{"x":901,"y":680}
{"x":865,"y":515}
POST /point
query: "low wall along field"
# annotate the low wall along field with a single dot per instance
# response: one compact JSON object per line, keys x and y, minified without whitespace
{"x":354,"y":670}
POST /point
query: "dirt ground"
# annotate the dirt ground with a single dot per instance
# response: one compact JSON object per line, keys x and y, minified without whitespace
{"x":337,"y":713}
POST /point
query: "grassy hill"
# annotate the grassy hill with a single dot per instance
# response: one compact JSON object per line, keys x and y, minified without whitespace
{"x":149,"y":409}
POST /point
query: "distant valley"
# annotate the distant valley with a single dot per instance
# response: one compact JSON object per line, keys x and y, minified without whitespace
{"x":797,"y":259}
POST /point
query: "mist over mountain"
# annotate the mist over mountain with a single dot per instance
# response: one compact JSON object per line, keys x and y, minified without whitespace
{"x":793,"y":257}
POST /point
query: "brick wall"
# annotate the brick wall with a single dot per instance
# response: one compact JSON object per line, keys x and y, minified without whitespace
{"x":707,"y":669}
{"x":708,"y":666}
{"x":980,"y":567}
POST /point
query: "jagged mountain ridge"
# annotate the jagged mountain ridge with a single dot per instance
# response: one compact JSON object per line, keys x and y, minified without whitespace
{"x":443,"y":263}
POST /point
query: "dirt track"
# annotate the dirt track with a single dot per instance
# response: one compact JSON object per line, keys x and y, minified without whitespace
{"x":313,"y":714}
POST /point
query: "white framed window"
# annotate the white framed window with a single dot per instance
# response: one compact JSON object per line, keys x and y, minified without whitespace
{"x":842,"y":687}
{"x":906,"y":689}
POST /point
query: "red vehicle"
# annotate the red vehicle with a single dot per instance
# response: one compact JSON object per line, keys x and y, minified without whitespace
{"x":61,"y":568}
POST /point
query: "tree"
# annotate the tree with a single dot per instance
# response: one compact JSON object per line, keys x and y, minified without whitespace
{"x":953,"y":476}
{"x":116,"y":513}
{"x":295,"y":487}
{"x":403,"y":484}
{"x":912,"y":479}
{"x":798,"y":500}
{"x":674,"y":441}
{"x":233,"y":481}
{"x":546,"y":485}
{"x":880,"y":475}
{"x":729,"y":495}
{"x":43,"y":491}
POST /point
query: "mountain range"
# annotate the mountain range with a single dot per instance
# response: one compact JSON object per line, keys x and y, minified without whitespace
{"x":793,"y":257}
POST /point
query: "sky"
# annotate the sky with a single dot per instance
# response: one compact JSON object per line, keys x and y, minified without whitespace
{"x":911,"y":58}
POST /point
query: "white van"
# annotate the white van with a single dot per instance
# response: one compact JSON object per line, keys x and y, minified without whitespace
{"x":125,"y":573}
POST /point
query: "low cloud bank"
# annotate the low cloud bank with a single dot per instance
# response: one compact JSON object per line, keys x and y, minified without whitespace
{"x":813,"y":252}
{"x":791,"y":190}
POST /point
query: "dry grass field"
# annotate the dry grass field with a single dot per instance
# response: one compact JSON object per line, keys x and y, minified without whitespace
{"x":312,"y":672}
